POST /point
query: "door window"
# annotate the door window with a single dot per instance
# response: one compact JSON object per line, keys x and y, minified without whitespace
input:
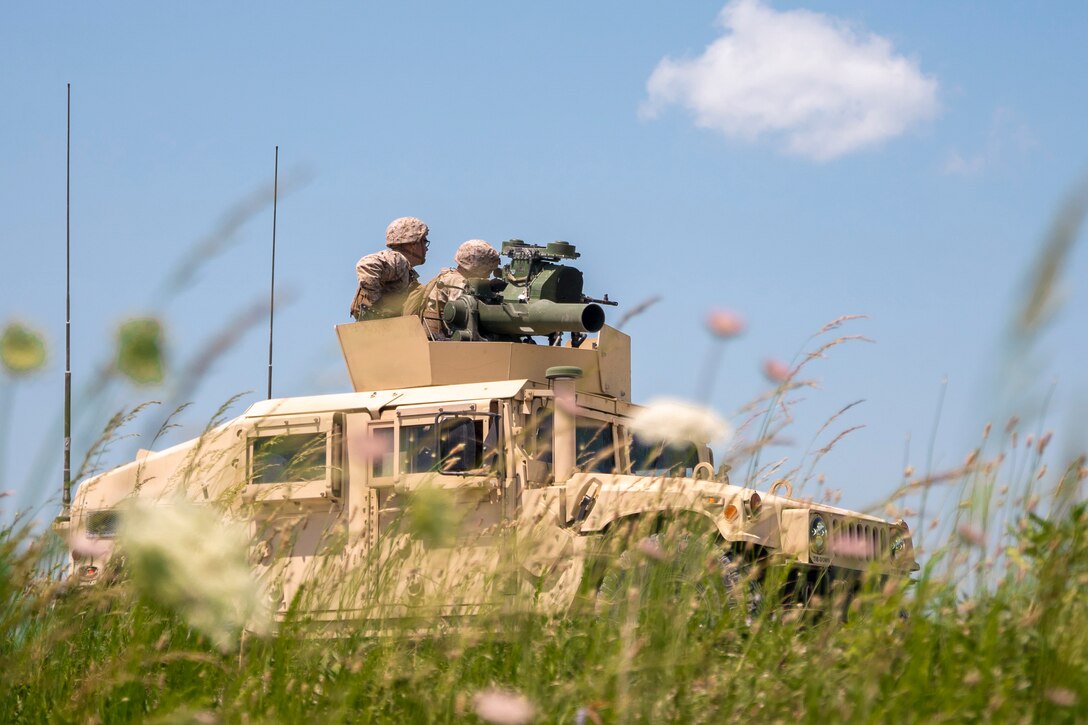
{"x":448,"y":443}
{"x":289,"y":458}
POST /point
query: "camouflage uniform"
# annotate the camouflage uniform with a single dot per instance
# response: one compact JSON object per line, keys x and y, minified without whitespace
{"x":476,"y":259}
{"x":447,"y":286}
{"x":387,"y":277}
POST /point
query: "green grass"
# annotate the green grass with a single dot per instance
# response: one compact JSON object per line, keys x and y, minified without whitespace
{"x":1014,"y":650}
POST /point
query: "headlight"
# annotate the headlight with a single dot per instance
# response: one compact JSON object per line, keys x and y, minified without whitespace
{"x":898,"y":542}
{"x":817,"y":535}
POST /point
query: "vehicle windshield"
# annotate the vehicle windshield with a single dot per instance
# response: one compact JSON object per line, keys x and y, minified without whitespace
{"x":593,"y":439}
{"x":658,"y":459}
{"x":595,"y":447}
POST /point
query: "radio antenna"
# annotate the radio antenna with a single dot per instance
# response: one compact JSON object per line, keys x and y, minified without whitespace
{"x":272,"y":292}
{"x":66,"y":498}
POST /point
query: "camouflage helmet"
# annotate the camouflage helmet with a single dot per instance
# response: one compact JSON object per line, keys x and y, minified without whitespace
{"x":477,"y":256}
{"x":406,"y":230}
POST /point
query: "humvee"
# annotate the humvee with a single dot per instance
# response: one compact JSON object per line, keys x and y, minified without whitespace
{"x":523,"y":454}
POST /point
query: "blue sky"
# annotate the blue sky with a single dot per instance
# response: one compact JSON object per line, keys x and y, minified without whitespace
{"x":793,"y":162}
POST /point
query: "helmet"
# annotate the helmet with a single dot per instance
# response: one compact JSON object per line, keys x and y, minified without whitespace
{"x":477,"y":256}
{"x":406,"y":230}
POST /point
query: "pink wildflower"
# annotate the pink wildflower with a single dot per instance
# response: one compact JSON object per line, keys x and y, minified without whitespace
{"x":971,"y":535}
{"x":724,"y":323}
{"x":503,"y":707}
{"x":776,"y":371}
{"x":1061,"y":696}
{"x":650,"y":547}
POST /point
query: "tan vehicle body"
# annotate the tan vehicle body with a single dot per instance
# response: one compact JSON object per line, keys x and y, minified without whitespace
{"x":547,"y":471}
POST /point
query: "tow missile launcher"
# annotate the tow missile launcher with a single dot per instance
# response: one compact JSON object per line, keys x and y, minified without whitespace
{"x":532,"y":447}
{"x":536,"y":295}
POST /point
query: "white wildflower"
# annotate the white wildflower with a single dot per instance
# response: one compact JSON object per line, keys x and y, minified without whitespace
{"x":190,"y":559}
{"x":503,"y":707}
{"x":678,"y":422}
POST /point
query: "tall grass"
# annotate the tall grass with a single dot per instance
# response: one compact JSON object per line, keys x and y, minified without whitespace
{"x":653,"y":652}
{"x":993,"y":628}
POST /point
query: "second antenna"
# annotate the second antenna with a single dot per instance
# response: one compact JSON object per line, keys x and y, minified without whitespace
{"x":272,"y":291}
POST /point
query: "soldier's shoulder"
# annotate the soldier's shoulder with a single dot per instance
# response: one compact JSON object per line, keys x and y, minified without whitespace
{"x":386,"y":257}
{"x":442,"y":277}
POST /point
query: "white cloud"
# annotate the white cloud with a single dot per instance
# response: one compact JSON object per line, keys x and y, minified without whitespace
{"x":808,"y":80}
{"x":1008,"y":136}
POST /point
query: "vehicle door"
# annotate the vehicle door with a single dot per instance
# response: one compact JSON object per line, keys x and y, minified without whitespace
{"x":438,"y":475}
{"x":294,"y":491}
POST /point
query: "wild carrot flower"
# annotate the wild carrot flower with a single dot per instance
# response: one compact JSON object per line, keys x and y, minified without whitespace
{"x":191,"y":560}
{"x":677,"y":422}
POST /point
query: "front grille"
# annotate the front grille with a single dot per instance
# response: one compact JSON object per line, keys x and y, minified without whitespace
{"x":102,"y":524}
{"x":858,"y":540}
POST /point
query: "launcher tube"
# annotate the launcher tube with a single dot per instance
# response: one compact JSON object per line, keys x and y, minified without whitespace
{"x":539,"y":317}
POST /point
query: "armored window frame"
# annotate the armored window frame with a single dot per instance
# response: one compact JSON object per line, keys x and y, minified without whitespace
{"x":289,"y":458}
{"x":486,"y":454}
{"x":311,"y":453}
{"x":421,"y":427}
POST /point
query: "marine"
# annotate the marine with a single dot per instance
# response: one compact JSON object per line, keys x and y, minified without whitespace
{"x":388,"y":276}
{"x":476,"y":259}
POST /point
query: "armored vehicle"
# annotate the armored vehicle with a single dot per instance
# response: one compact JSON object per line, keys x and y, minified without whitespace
{"x":465,"y":473}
